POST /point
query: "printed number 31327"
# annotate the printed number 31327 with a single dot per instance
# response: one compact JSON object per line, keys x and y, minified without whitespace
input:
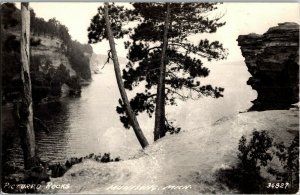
{"x":278,"y":185}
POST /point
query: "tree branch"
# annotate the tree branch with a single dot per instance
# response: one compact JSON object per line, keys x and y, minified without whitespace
{"x":168,"y":122}
{"x":42,"y":124}
{"x":152,"y":95}
{"x":182,"y":97}
{"x":190,"y":50}
{"x":158,"y":47}
{"x":108,"y":57}
{"x":171,"y":73}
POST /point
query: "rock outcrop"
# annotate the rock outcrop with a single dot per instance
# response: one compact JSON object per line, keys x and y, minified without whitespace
{"x":52,"y":49}
{"x":273,"y":61}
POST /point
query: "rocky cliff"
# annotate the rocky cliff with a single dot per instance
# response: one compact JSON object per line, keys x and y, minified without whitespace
{"x":52,"y":50}
{"x":273,"y":61}
{"x":55,"y":59}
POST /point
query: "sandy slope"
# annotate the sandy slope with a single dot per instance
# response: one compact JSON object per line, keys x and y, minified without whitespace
{"x":189,"y":158}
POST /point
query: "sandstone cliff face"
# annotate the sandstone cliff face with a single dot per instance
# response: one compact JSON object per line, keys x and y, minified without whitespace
{"x":52,"y":49}
{"x":273,"y":61}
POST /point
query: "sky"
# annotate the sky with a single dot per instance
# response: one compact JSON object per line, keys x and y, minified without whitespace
{"x":240,"y":18}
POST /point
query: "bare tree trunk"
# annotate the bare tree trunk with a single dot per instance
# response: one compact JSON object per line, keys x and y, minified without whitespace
{"x":133,"y":120}
{"x":159,"y":128}
{"x":25,"y":111}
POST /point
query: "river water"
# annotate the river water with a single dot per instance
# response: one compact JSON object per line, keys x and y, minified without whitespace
{"x":90,"y":124}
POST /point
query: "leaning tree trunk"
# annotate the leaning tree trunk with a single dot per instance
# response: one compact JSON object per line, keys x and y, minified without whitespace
{"x":27,"y":136}
{"x":133,"y":120}
{"x":159,"y":128}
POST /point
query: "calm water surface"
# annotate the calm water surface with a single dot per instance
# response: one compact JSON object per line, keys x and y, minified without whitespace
{"x":90,"y":124}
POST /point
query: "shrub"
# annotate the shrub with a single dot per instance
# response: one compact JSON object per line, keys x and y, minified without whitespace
{"x":245,"y":176}
{"x":289,"y":158}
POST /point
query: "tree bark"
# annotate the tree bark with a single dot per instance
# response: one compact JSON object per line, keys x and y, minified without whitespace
{"x":133,"y":120}
{"x":27,"y":136}
{"x":159,"y":128}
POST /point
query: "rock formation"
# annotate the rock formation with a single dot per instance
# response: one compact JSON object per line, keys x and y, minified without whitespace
{"x":52,"y":50}
{"x":273,"y":61}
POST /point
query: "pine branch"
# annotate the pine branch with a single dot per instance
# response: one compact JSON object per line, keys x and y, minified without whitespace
{"x":108,"y":57}
{"x":182,"y":97}
{"x":42,"y":124}
{"x":172,"y":74}
{"x":189,"y":49}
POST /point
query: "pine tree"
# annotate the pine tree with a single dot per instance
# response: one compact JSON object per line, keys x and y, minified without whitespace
{"x":108,"y":30}
{"x":183,"y":60}
{"x":183,"y":69}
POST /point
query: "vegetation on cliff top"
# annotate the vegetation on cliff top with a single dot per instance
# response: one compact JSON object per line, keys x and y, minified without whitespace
{"x":46,"y":79}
